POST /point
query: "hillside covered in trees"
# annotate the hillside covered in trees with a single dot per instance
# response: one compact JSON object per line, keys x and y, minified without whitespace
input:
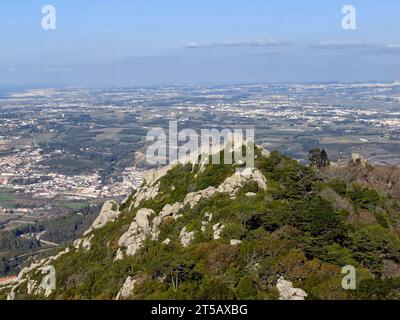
{"x":17,"y":245}
{"x":226,"y":232}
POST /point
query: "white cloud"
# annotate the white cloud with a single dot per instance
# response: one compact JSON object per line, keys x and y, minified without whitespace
{"x":230,"y":43}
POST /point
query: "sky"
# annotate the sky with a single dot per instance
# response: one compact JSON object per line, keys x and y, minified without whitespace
{"x":147,"y":42}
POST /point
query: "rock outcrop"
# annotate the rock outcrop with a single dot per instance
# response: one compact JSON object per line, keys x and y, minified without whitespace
{"x":150,"y":188}
{"x":145,"y":193}
{"x":26,"y":275}
{"x":287,"y":292}
{"x":138,"y":232}
{"x":109,"y":212}
{"x":206,"y":220}
{"x":250,"y":194}
{"x":186,"y":237}
{"x":127,"y":288}
{"x":217,"y":230}
{"x":142,"y":228}
{"x":234,"y":183}
{"x":84,"y":243}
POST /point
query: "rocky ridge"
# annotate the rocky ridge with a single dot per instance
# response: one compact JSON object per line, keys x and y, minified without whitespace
{"x":275,"y":231}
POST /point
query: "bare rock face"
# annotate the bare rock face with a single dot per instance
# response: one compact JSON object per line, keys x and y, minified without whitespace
{"x":287,"y":292}
{"x":217,"y":228}
{"x":138,"y":232}
{"x":152,"y":176}
{"x":193,"y":198}
{"x":142,"y":228}
{"x":186,"y":237}
{"x":250,"y":194}
{"x":142,"y":218}
{"x":151,"y":185}
{"x":127,"y":288}
{"x":119,"y":255}
{"x":84,"y":243}
{"x":33,"y":286}
{"x":234,"y":183}
{"x":170,"y":210}
{"x":58,"y":255}
{"x":145,"y":193}
{"x":77,"y":244}
{"x":258,"y":177}
{"x":231,"y":185}
{"x":206,"y":220}
{"x":107,"y":214}
{"x":264,"y":152}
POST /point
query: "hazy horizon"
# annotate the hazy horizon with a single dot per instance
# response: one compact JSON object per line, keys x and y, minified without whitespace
{"x":127,"y":43}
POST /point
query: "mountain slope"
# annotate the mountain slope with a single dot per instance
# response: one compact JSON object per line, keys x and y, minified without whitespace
{"x":225,"y":232}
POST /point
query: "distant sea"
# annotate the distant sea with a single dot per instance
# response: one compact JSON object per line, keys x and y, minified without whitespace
{"x":5,"y":91}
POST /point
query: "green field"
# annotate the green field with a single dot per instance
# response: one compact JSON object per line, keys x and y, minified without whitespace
{"x":6,"y":195}
{"x":76,"y":205}
{"x":108,"y":134}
